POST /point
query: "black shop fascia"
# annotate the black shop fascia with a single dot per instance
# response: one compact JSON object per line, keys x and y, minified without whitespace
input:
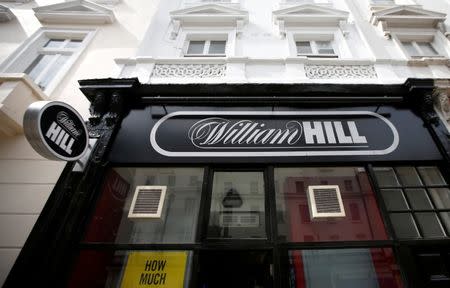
{"x":385,"y":139}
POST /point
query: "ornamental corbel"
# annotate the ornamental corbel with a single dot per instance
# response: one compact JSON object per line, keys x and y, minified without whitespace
{"x":343,"y":27}
{"x":239,"y":27}
{"x":442,"y":101}
{"x":384,"y":27}
{"x":176,"y":25}
{"x":282,"y":28}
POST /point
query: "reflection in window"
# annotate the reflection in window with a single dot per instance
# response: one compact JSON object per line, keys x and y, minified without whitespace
{"x":115,"y":268}
{"x":344,"y":268}
{"x":178,"y":224}
{"x":236,"y":211}
{"x":405,"y":204}
{"x":362,"y":216}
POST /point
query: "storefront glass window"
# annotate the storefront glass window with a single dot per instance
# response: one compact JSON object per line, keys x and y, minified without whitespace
{"x":237,"y":206}
{"x":235,"y":269}
{"x":431,"y":176}
{"x":360,"y":219}
{"x":177,"y":223}
{"x":344,"y":268}
{"x":112,"y":268}
{"x":404,"y":204}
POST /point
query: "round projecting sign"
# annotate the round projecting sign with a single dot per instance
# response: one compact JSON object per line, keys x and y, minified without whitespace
{"x":55,"y":130}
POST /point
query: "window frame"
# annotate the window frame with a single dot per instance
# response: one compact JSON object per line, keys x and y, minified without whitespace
{"x":431,"y":37}
{"x":188,"y":34}
{"x":410,"y":209}
{"x":206,"y":46}
{"x":315,"y":50}
{"x":334,"y":35}
{"x":21,"y":59}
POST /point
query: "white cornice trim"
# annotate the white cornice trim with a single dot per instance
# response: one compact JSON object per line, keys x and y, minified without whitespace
{"x":418,"y":17}
{"x":310,"y":14}
{"x":209,"y":13}
{"x":97,"y":14}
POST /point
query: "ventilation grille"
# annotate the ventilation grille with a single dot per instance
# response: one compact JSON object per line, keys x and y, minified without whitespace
{"x":147,"y":202}
{"x":239,"y":219}
{"x":325,"y":201}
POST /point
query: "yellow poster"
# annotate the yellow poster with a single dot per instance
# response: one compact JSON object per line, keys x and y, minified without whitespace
{"x":155,"y":269}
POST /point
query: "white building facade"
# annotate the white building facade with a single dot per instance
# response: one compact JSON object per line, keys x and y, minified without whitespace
{"x":46,"y":47}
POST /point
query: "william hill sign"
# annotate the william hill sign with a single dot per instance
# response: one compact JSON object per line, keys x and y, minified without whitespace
{"x":279,"y":133}
{"x":56,"y":130}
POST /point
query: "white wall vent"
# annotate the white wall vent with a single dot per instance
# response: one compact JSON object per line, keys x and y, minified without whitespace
{"x":325,"y":201}
{"x":239,"y":219}
{"x":148,"y":202}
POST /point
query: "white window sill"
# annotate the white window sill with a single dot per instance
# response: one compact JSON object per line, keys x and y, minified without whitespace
{"x":318,"y":55}
{"x":204,"y":55}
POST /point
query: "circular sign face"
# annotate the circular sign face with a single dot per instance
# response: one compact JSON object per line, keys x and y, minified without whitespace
{"x":55,"y":130}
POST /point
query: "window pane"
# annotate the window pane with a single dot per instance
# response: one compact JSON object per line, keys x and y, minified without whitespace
{"x":196,"y":47}
{"x":38,"y":65}
{"x":427,"y":49}
{"x":430,"y":225}
{"x":418,"y":199}
{"x":236,"y":212}
{"x":362,"y":220}
{"x":74,"y":43}
{"x":217,"y":47}
{"x":110,"y":222}
{"x":303,"y":47}
{"x":404,"y":225}
{"x":50,"y":74}
{"x":344,"y":268}
{"x":445,"y":217}
{"x":54,"y":43}
{"x":433,"y":270}
{"x":394,"y":199}
{"x":408,"y":176}
{"x":109,"y":268}
{"x":441,"y":197}
{"x":410,"y":49}
{"x":386,"y":177}
{"x":431,"y":176}
{"x":324,"y":47}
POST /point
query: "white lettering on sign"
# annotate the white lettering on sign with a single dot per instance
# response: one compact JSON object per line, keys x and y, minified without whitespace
{"x":63,"y":119}
{"x":213,"y":131}
{"x":60,"y":137}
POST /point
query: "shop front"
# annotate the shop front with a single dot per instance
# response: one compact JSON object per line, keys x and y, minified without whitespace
{"x":261,"y":192}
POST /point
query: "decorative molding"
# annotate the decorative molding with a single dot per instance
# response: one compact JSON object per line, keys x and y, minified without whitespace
{"x":340,"y":71}
{"x":74,"y":12}
{"x":204,"y":15}
{"x":189,"y":70}
{"x":17,"y":91}
{"x":441,"y":100}
{"x":406,"y":16}
{"x":308,"y":15}
{"x":5,"y":14}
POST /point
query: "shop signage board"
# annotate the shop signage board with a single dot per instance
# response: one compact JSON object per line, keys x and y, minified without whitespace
{"x":175,"y":134}
{"x":273,"y":133}
{"x":56,"y":130}
{"x":155,"y":269}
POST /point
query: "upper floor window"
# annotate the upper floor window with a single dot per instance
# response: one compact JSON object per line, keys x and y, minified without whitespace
{"x":51,"y":58}
{"x":206,"y":48}
{"x":315,"y":48}
{"x":419,"y":49}
{"x":48,"y":55}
